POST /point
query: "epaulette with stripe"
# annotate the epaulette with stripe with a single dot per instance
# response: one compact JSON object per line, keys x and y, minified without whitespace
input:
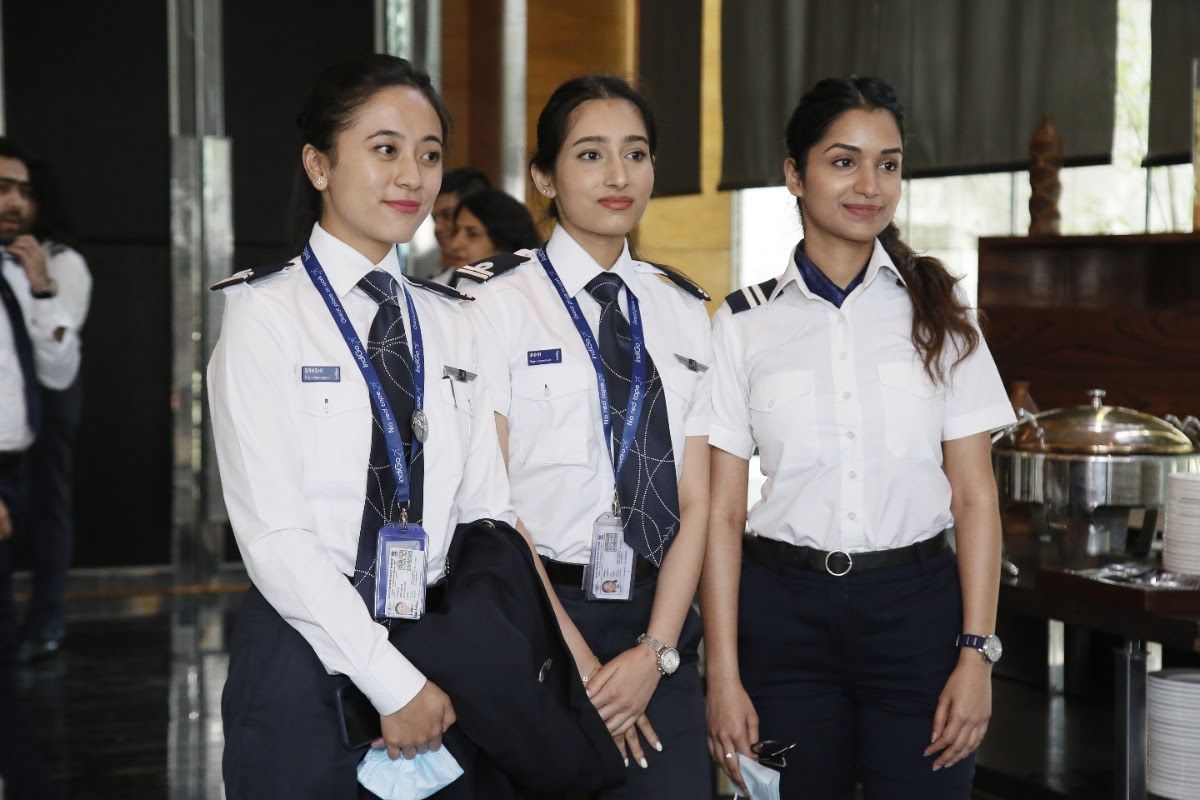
{"x":683,"y":282}
{"x":490,"y":267}
{"x":439,"y":288}
{"x":56,"y":248}
{"x":750,"y":296}
{"x":249,"y":275}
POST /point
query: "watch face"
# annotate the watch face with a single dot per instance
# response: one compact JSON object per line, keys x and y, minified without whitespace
{"x":992,"y":649}
{"x":669,"y":660}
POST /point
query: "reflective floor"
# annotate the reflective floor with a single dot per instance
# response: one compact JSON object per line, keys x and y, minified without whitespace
{"x":130,"y":708}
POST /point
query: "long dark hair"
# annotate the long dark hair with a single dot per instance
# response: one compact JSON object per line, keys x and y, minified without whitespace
{"x":939,"y":316}
{"x":508,"y":222}
{"x":339,"y":92}
{"x":555,"y":120}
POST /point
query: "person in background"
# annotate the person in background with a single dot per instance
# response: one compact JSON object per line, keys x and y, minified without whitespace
{"x":850,"y":644}
{"x":37,"y":348}
{"x":489,"y":222}
{"x":51,"y":528}
{"x":598,"y":367}
{"x":456,"y":184}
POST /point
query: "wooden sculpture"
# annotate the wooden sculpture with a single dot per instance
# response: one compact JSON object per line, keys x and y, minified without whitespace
{"x":1046,"y":159}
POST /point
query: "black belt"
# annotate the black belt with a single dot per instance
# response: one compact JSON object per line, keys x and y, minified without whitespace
{"x":839,"y":562}
{"x":11,"y":460}
{"x":564,"y":574}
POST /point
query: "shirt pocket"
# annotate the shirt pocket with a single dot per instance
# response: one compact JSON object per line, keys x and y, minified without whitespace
{"x":550,"y":415}
{"x":913,"y":407}
{"x":335,"y":431}
{"x":458,"y":399}
{"x":783,"y":417}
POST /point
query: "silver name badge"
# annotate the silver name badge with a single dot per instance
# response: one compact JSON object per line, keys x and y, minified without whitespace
{"x":458,"y":374}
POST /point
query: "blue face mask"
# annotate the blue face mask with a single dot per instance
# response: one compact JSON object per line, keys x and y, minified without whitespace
{"x":407,"y":778}
{"x":763,"y":782}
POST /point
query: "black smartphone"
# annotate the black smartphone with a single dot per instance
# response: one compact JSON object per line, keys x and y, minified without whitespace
{"x":358,"y":720}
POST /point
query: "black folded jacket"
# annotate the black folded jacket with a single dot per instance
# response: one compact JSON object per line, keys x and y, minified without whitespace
{"x":490,"y":640}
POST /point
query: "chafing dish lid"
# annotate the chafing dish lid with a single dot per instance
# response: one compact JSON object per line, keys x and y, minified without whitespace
{"x":1097,"y":429}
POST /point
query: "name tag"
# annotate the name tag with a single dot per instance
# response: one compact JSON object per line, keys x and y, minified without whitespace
{"x":538,"y":357}
{"x":320,"y":374}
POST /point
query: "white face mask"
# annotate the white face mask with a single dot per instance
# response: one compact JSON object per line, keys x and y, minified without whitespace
{"x":763,"y":782}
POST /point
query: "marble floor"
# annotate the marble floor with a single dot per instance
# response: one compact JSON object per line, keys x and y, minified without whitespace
{"x":131,"y":706}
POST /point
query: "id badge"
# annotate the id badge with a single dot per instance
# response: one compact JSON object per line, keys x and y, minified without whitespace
{"x":609,"y":573}
{"x":400,"y":572}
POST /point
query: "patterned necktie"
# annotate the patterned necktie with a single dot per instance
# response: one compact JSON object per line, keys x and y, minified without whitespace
{"x":387,"y":346}
{"x":646,"y":483}
{"x":33,"y":404}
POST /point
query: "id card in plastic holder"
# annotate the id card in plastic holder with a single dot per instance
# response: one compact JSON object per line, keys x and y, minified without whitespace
{"x":400,"y":572}
{"x":609,"y":573}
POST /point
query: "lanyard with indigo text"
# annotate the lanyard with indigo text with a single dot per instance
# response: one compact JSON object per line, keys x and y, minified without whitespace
{"x":391,"y":431}
{"x":633,"y":408}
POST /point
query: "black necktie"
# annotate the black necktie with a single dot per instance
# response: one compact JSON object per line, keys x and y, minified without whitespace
{"x":33,"y":405}
{"x":646,"y":483}
{"x":387,"y":346}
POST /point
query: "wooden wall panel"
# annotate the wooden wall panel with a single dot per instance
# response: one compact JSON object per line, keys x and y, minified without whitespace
{"x":694,"y":232}
{"x":471,"y":31}
{"x":1119,"y":313}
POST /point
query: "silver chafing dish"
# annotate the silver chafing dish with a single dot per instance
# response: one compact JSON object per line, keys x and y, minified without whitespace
{"x":1083,"y":470}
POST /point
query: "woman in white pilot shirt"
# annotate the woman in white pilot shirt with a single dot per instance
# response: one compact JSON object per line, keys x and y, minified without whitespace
{"x":594,"y":160}
{"x":848,"y":642}
{"x":293,"y":423}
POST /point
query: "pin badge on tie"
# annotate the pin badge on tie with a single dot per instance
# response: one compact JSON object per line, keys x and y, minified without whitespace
{"x":420,"y":426}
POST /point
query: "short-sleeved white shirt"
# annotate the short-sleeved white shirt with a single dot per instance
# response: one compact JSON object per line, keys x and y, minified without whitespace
{"x":848,"y":426}
{"x":543,"y":382}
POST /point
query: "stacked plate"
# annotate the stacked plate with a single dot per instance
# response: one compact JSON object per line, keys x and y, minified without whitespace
{"x":1173,"y":723}
{"x":1181,"y":548}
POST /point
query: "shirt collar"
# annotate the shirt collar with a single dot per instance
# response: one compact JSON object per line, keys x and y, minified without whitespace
{"x":575,"y":267}
{"x":879,"y":260}
{"x":344,"y":265}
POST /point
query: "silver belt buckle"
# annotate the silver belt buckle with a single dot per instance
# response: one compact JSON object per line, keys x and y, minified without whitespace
{"x":849,"y":563}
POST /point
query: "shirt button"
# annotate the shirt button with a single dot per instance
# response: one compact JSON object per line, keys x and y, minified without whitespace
{"x":770,"y":404}
{"x":852,"y":515}
{"x":842,"y":356}
{"x":853,"y":474}
{"x":845,"y":395}
{"x":849,"y":434}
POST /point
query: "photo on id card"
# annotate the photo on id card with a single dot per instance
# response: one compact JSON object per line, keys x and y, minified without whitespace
{"x":609,"y":573}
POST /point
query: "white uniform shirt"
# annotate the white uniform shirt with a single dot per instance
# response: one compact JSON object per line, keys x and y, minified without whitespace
{"x":56,"y":361}
{"x":558,"y":463}
{"x":74,"y":280}
{"x":293,"y":455}
{"x":848,"y":426}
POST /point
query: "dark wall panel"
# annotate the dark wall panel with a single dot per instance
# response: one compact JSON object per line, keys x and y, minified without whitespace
{"x":274,"y":49}
{"x":86,"y":87}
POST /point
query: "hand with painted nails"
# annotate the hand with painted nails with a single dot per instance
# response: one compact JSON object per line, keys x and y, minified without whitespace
{"x":622,"y":688}
{"x":963,"y":711}
{"x":631,"y":747}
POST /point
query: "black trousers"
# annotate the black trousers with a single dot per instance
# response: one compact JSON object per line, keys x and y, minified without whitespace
{"x":850,"y":669}
{"x":51,"y":530}
{"x":281,"y":722}
{"x":683,"y":768}
{"x":20,"y":763}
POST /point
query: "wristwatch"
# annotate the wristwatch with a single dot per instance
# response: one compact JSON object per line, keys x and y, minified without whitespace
{"x":988,"y":646}
{"x":668,"y":657}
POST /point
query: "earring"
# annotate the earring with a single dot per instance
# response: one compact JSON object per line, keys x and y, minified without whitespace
{"x":320,"y":181}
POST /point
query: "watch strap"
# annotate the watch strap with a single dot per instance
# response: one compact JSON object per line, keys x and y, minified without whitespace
{"x":971,"y":640}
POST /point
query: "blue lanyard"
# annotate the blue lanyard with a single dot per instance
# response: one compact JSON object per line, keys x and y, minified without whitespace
{"x":391,"y":432}
{"x":637,"y":385}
